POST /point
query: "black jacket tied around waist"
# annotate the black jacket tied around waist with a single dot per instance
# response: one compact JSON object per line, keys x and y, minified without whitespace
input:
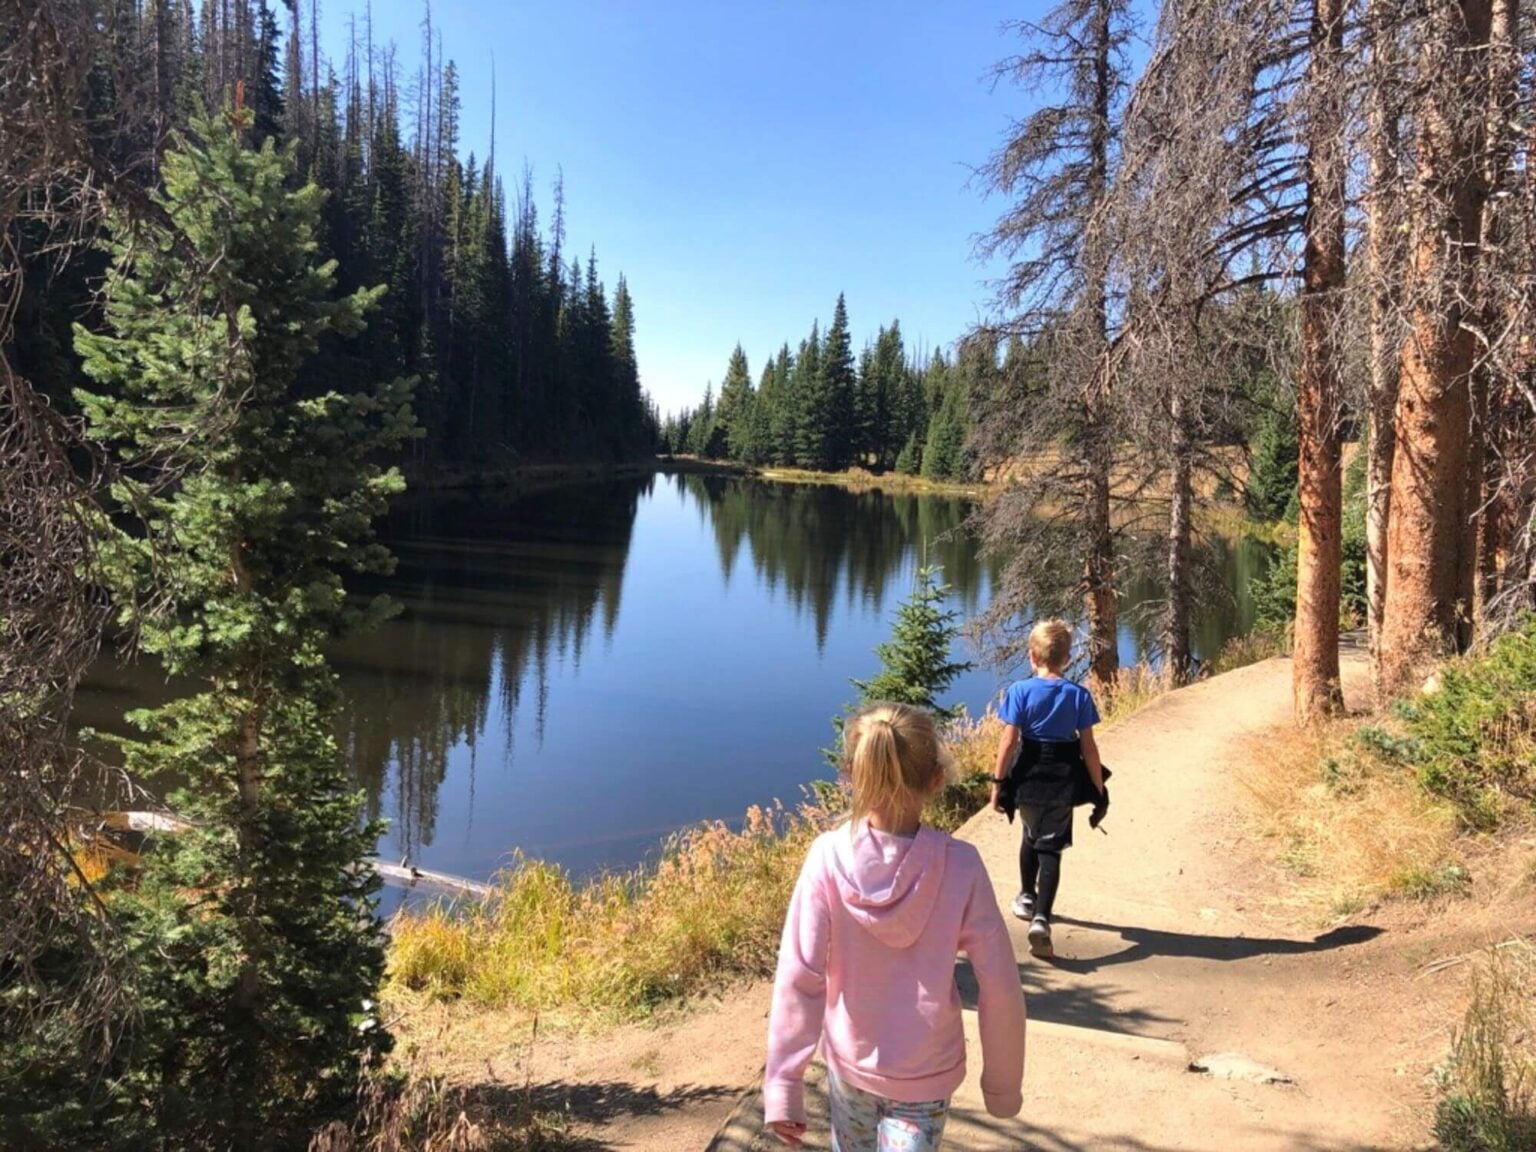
{"x":1050,"y":774}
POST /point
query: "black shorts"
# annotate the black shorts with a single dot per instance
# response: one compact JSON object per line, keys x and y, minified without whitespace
{"x":1047,"y":829}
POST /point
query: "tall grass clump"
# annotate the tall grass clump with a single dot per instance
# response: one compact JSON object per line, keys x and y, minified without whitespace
{"x":620,"y":946}
{"x":1261,"y":643}
{"x":1472,"y":737}
{"x":1136,"y":685}
{"x":1488,"y":1085}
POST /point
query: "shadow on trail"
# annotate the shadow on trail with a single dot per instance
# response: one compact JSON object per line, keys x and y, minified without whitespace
{"x":538,"y":1114}
{"x":1038,"y":1138}
{"x":1082,"y":1006}
{"x":1148,"y":942}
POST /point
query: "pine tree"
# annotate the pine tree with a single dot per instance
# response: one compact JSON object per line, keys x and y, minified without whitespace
{"x":626,"y":369}
{"x":734,"y":412}
{"x":834,"y":406}
{"x":757,"y":445}
{"x":889,"y":428}
{"x":1271,"y":487}
{"x":703,"y":431}
{"x":915,"y":664}
{"x":253,"y":950}
{"x":808,"y":405}
{"x":783,"y":416}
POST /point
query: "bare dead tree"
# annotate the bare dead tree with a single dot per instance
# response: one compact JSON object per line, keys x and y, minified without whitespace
{"x":1385,"y":257}
{"x":1183,"y":341}
{"x":54,"y":168}
{"x":1057,"y":169}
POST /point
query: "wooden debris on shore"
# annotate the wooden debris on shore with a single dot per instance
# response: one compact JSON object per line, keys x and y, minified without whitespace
{"x":403,"y":875}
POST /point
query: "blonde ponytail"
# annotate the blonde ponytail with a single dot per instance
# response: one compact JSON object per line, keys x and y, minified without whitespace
{"x":893,"y":758}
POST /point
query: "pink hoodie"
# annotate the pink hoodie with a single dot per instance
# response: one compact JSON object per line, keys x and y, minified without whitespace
{"x":866,"y":967}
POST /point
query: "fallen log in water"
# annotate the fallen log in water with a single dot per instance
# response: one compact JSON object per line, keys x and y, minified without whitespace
{"x":400,"y":875}
{"x":410,"y":877}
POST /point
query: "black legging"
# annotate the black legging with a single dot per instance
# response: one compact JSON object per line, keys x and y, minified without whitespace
{"x":1040,"y":875}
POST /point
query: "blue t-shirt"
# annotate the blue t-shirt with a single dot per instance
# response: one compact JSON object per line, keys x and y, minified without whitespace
{"x":1048,"y":710}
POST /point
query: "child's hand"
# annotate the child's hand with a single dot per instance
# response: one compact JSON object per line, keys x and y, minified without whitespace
{"x":789,"y":1132}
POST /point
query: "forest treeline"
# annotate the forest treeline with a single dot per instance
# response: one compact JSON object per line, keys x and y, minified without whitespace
{"x":815,"y":407}
{"x":520,"y":350}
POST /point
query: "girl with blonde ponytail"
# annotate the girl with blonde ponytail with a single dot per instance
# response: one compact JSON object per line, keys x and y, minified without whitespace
{"x":883,"y":905}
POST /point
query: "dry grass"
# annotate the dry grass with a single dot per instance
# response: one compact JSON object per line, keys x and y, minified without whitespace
{"x":859,"y":479}
{"x":617,"y":948}
{"x":1349,"y":828}
{"x":1250,"y":648}
{"x":1488,"y":1084}
{"x":1136,"y":685}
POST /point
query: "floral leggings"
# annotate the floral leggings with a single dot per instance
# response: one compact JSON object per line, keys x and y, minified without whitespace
{"x":864,"y":1122}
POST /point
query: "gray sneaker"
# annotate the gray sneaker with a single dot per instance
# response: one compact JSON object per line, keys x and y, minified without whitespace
{"x":1024,"y":906}
{"x":1040,"y":938}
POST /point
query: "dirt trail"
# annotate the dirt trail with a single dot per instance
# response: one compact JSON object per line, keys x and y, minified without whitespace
{"x":1172,"y":946}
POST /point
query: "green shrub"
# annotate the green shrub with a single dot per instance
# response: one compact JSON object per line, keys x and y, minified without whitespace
{"x":1472,"y":739}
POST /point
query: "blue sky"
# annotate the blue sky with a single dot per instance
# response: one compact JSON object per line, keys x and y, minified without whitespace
{"x":742,"y":163}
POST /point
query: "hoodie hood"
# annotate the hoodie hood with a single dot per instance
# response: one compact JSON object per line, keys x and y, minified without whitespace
{"x":889,"y":884}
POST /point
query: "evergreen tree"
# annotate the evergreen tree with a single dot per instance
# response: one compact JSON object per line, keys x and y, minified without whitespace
{"x":888,"y":422}
{"x":252,"y":947}
{"x":704,"y":435}
{"x":757,"y":445}
{"x":944,"y":443}
{"x":783,"y":417}
{"x":734,"y":412}
{"x":834,"y":405}
{"x":915,"y":664}
{"x":865,"y":435}
{"x":809,"y":406}
{"x":626,"y":368}
{"x":1271,"y":487}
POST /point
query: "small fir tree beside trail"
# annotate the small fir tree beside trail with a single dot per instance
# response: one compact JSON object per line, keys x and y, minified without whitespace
{"x":252,"y":949}
{"x":915,"y":664}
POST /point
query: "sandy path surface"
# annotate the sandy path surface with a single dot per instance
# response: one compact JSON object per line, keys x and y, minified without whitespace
{"x":1173,"y":945}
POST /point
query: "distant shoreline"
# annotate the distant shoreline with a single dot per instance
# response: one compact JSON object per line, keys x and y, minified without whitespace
{"x":529,"y":477}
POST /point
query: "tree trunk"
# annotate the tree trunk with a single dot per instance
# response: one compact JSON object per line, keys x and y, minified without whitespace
{"x":1386,"y":267}
{"x":1176,"y":645}
{"x":1099,"y":604}
{"x":1427,"y":540}
{"x":1490,"y":373}
{"x":1315,"y":665}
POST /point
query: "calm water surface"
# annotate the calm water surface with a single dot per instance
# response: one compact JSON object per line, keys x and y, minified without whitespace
{"x":579,"y":672}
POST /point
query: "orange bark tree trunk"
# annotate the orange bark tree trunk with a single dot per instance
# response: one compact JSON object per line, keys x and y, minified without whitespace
{"x":1385,"y":257}
{"x":1427,"y":532}
{"x":1315,"y":667}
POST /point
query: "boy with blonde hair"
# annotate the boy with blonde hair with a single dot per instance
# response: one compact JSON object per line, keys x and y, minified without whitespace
{"x":1047,"y":741}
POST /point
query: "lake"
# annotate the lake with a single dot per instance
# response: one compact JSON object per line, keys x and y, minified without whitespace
{"x":577,"y":672}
